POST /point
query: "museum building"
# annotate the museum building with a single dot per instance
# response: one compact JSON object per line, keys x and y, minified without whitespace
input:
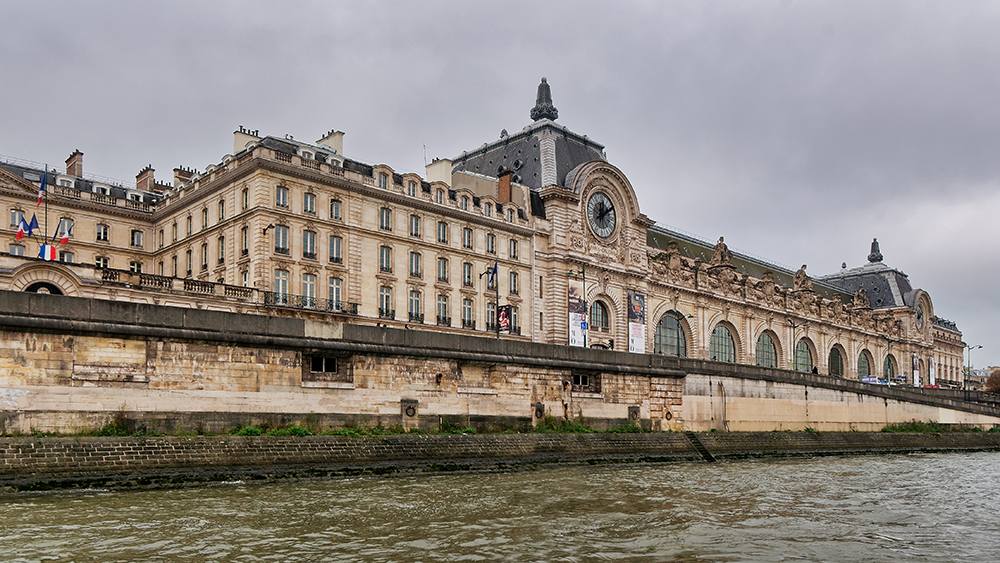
{"x":532,"y":236}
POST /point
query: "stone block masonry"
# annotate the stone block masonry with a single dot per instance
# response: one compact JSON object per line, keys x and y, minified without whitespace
{"x":30,"y":464}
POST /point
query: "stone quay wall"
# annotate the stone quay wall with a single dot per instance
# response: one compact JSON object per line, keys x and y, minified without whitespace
{"x":69,"y":365}
{"x":32,"y":464}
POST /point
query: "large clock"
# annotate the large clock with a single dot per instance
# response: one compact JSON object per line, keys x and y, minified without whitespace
{"x":601,"y":214}
{"x":920,"y":317}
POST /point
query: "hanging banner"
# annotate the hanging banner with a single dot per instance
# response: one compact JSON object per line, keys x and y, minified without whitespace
{"x":503,"y":317}
{"x":931,"y":379}
{"x":636,"y":323}
{"x":577,"y":314}
{"x":916,"y":371}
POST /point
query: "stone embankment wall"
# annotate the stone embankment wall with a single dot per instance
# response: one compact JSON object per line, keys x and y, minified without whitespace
{"x":58,"y":463}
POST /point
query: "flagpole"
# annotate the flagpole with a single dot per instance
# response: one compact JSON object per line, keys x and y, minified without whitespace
{"x":46,"y":196}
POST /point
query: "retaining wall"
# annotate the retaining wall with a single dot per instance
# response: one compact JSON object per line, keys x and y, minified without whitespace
{"x":57,"y":463}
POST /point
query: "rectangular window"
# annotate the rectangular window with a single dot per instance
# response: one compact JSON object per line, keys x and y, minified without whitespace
{"x":488,"y":209}
{"x":204,"y":218}
{"x":309,"y":290}
{"x":245,"y":198}
{"x":336,"y":286}
{"x":323,"y":364}
{"x":204,"y":257}
{"x":510,"y":215}
{"x":442,"y":311}
{"x":466,"y":237}
{"x":414,"y":307}
{"x":15,"y":217}
{"x":173,"y":262}
{"x":309,"y":203}
{"x":103,"y":233}
{"x":415,"y":264}
{"x":411,"y":188}
{"x":467,"y":274}
{"x":135,"y":267}
{"x":335,"y":244}
{"x":383,"y":180}
{"x":414,"y":225}
{"x":102,"y":262}
{"x":18,"y":250}
{"x":137,"y":238}
{"x":222,"y":250}
{"x":281,"y":286}
{"x":190,"y":262}
{"x":335,"y":209}
{"x":491,"y":316}
{"x":442,"y":269}
{"x":281,"y":239}
{"x":439,"y":196}
{"x":385,"y":259}
{"x":190,"y":225}
{"x":465,"y":203}
{"x":161,"y":238}
{"x":443,"y":232}
{"x":309,"y":245}
{"x":385,"y":219}
{"x":513,"y":249}
{"x":65,"y":228}
{"x":491,"y":244}
{"x":173,"y":229}
{"x":281,"y":196}
{"x":513,"y":283}
{"x":467,"y":320}
{"x":385,"y":309}
{"x":66,"y":257}
{"x":222,"y":211}
{"x":245,"y":241}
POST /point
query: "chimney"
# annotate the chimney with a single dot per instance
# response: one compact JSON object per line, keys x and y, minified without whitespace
{"x":243,"y":137}
{"x":503,"y":185}
{"x":74,"y":164}
{"x":439,"y":170}
{"x":182,"y":175}
{"x":333,"y":140}
{"x":144,"y":179}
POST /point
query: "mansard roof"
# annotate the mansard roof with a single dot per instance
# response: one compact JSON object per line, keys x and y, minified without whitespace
{"x":533,"y":165}
{"x":884,"y":286}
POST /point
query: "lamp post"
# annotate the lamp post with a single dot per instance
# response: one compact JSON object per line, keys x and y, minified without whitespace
{"x":795,"y":356}
{"x":492,"y":274}
{"x":583,"y":271}
{"x":968,"y":371}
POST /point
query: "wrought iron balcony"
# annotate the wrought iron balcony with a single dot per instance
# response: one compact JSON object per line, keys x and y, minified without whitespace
{"x":443,"y":321}
{"x":386,"y":313}
{"x":416,"y":317}
{"x":469,"y":323}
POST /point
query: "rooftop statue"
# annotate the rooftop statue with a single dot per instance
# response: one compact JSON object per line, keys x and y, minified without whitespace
{"x":721,"y":255}
{"x":801,"y":281}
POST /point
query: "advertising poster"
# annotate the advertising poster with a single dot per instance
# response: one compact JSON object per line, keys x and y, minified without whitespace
{"x":916,"y":371}
{"x":636,"y":323}
{"x":577,"y":314}
{"x":931,"y":380}
{"x":503,"y":317}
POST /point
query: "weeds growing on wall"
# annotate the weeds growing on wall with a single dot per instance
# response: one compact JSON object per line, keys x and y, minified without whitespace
{"x":929,"y":428}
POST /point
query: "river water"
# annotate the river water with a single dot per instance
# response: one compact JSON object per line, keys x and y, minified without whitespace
{"x":927,"y":507}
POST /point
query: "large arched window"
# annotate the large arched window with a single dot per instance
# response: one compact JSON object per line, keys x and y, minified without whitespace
{"x":669,"y":336}
{"x":803,"y":357}
{"x":889,"y":368}
{"x":723,"y":348}
{"x":767,"y":353}
{"x":864,"y":364}
{"x":599,"y":316}
{"x":836,"y":363}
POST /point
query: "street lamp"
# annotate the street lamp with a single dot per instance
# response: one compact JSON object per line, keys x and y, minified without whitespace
{"x":795,"y":356}
{"x":965,"y":383}
{"x":583,"y":271}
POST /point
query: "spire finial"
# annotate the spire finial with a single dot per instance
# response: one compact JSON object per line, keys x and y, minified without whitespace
{"x":543,"y":103}
{"x":875,"y":255}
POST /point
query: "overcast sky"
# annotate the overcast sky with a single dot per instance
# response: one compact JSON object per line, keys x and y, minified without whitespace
{"x":797,"y":130}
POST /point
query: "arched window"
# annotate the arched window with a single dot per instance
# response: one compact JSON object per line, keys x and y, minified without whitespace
{"x":767,"y":353}
{"x":864,"y":364}
{"x":669,"y":336}
{"x":723,"y":348}
{"x":599,"y":316}
{"x":836,"y":363}
{"x":803,"y":357}
{"x":889,"y":368}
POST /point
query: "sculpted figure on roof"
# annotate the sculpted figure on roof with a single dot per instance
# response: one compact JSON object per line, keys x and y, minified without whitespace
{"x":802,"y":281}
{"x":721,"y":255}
{"x":861,"y":299}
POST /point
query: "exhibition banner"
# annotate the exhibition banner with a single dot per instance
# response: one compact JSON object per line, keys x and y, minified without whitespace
{"x":577,"y":314}
{"x":636,"y":323}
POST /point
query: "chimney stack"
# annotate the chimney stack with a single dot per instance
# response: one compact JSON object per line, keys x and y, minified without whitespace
{"x":503,"y":185}
{"x":74,"y":164}
{"x":182,"y":175}
{"x":144,"y":179}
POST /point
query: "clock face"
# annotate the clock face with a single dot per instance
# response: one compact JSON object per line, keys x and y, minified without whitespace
{"x":920,"y":317}
{"x":601,"y":215}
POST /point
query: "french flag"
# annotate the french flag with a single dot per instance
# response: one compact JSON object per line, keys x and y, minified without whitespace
{"x":25,"y":229}
{"x":67,"y":231}
{"x":41,"y":190}
{"x":47,"y":252}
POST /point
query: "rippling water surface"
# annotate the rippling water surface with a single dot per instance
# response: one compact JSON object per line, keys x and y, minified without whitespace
{"x":934,"y":507}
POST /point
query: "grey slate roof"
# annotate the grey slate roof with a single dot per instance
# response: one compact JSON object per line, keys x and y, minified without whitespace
{"x":885,"y":286}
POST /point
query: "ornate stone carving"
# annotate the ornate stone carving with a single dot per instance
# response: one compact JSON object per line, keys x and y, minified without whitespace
{"x":861,"y":299}
{"x":721,"y":254}
{"x":801,"y":282}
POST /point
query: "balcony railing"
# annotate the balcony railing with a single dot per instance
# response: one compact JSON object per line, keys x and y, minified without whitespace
{"x":491,"y":327}
{"x":157,"y":282}
{"x":386,"y":313}
{"x":416,"y":317}
{"x":281,"y":249}
{"x":199,"y":286}
{"x":336,"y":260}
{"x":311,"y":303}
{"x":469,"y":323}
{"x":443,"y":321}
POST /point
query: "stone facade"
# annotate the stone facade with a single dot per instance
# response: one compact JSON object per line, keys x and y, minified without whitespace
{"x":293,"y":229}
